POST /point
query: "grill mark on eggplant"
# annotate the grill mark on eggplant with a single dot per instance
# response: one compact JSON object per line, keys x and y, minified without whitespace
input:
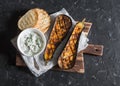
{"x":67,"y":58}
{"x":61,"y":27}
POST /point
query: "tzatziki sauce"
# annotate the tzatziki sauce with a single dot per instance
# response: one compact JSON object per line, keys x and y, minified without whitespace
{"x":31,"y":43}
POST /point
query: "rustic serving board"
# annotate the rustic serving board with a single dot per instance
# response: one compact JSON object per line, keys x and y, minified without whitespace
{"x":79,"y":65}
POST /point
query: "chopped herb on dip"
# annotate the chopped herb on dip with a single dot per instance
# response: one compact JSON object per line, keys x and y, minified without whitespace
{"x":31,"y":43}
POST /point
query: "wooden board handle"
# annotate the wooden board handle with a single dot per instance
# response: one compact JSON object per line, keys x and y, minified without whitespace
{"x":94,"y":50}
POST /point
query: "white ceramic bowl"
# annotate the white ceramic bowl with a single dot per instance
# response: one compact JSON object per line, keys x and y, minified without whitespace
{"x":41,"y":34}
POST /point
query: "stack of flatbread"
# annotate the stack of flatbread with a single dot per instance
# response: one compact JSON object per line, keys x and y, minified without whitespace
{"x":35,"y":18}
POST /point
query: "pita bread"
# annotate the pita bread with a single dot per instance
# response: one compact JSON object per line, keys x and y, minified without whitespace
{"x":35,"y":18}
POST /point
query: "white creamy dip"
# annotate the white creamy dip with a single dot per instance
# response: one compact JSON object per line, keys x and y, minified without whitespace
{"x":31,"y":43}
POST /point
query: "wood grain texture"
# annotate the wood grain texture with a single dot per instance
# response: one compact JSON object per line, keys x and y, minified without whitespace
{"x":94,"y":50}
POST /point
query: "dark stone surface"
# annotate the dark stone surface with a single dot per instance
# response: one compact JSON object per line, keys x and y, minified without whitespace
{"x":100,"y":71}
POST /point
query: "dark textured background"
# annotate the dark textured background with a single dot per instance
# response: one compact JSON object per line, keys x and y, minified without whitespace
{"x":100,"y":71}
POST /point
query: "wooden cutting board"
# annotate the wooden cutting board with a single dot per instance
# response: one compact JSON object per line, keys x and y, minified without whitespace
{"x":79,"y":65}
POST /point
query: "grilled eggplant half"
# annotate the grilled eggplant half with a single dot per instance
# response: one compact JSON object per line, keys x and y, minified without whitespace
{"x":61,"y":27}
{"x":68,"y":56}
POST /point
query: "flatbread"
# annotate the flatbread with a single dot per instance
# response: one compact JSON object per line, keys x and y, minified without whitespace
{"x":35,"y":18}
{"x":28,"y":20}
{"x":43,"y":22}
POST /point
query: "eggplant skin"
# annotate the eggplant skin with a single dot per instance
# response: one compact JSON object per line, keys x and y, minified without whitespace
{"x":61,"y":27}
{"x":68,"y":56}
